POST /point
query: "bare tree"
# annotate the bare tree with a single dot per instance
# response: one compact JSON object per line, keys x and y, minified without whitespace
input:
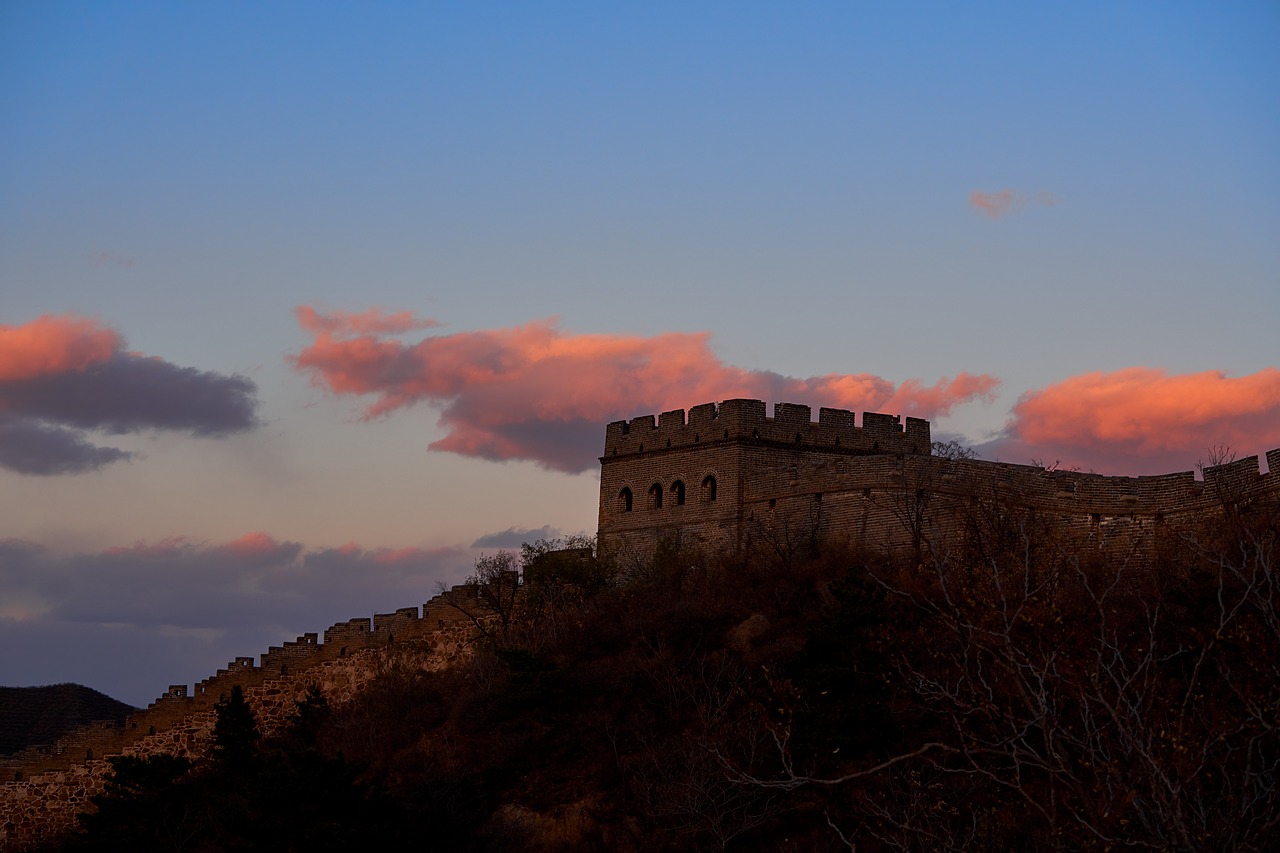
{"x":788,"y":534}
{"x":679,"y":780}
{"x":489,"y":600}
{"x":1119,"y":704}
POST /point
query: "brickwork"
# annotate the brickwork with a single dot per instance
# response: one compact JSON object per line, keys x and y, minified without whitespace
{"x":867,"y":485}
{"x":47,"y":786}
{"x":698,"y":476}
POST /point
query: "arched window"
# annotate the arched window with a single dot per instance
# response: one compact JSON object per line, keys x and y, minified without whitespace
{"x":624,"y":500}
{"x":708,"y":488}
{"x":655,"y":496}
{"x":677,"y":490}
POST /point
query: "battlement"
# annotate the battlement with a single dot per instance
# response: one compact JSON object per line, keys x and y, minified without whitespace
{"x":746,"y":420}
{"x":1075,"y":493}
{"x":179,"y":701}
{"x":43,"y":787}
{"x":720,"y":472}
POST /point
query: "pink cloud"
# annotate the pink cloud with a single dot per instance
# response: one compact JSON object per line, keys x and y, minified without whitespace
{"x":53,"y":344}
{"x":252,"y":544}
{"x":535,"y":392}
{"x":388,"y":556}
{"x":1143,"y":420}
{"x":62,"y":376}
{"x":997,"y":204}
{"x":371,"y":322}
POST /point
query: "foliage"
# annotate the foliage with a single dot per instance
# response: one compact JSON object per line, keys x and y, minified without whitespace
{"x":235,"y":731}
{"x":286,"y":796}
{"x":1020,"y":687}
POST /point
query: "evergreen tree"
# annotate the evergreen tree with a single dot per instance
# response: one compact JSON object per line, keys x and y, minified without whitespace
{"x":235,"y":733}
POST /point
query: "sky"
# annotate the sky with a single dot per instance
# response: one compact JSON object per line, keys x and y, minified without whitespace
{"x":304,"y":306}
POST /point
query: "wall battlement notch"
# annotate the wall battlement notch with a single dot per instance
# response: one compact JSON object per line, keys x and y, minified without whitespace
{"x":747,"y":420}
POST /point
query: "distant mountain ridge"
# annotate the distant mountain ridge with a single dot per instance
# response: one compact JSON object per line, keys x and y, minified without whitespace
{"x":30,"y":716}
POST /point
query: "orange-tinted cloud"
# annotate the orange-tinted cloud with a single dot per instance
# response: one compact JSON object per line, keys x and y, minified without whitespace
{"x":52,"y":344}
{"x":1005,"y":201}
{"x":1143,"y":420}
{"x":534,"y":392}
{"x":260,"y":546}
{"x":371,"y":322}
{"x":63,"y":376}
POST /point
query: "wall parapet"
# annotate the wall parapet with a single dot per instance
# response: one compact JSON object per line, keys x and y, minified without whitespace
{"x":655,"y":475}
{"x":792,"y":423}
{"x":36,"y":808}
{"x":180,"y":701}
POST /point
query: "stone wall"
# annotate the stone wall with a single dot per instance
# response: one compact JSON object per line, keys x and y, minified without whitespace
{"x":47,"y":786}
{"x":745,"y":475}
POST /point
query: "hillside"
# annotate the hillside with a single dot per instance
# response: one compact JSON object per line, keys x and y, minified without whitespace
{"x":1021,"y":691}
{"x":30,"y":716}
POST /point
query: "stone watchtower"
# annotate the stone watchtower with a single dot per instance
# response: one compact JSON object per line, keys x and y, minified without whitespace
{"x":706,"y":476}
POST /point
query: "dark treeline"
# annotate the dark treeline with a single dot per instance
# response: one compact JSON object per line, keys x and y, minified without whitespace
{"x":1020,"y":689}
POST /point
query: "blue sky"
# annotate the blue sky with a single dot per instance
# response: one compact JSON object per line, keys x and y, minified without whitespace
{"x":796,"y":182}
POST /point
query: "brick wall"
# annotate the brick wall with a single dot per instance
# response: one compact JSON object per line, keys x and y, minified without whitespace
{"x":860,"y":484}
{"x":46,"y":786}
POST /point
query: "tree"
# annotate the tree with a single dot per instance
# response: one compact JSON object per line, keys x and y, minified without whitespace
{"x":952,"y":449}
{"x":143,"y":807}
{"x":490,"y":597}
{"x":1073,"y":699}
{"x":677,"y":775}
{"x":559,"y":579}
{"x":235,"y":733}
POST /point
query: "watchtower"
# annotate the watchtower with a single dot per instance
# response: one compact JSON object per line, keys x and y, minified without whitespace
{"x":698,"y":476}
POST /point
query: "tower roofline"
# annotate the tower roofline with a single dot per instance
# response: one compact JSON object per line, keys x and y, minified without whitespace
{"x":791,"y":423}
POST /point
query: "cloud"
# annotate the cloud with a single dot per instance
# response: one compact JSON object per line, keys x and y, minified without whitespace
{"x":1143,"y":420}
{"x":52,"y":345}
{"x":178,"y":608}
{"x":372,"y":322}
{"x":997,"y":204}
{"x":536,"y":393}
{"x":32,"y":447}
{"x":63,"y":376}
{"x":514,"y":537}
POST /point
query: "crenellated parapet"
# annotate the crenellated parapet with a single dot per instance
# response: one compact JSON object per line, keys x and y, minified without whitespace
{"x":746,"y":420}
{"x":39,"y":804}
{"x":724,"y":474}
{"x":180,"y":701}
{"x":1075,"y":493}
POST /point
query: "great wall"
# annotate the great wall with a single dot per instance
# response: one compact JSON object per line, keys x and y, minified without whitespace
{"x":725,"y":476}
{"x":46,"y":786}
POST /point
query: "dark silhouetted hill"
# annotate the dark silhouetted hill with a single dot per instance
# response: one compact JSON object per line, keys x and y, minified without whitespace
{"x":37,"y":715}
{"x":1022,"y":689}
